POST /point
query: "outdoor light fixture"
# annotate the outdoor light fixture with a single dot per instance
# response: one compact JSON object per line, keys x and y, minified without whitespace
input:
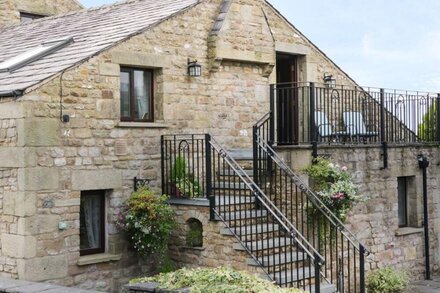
{"x":194,"y":68}
{"x":329,"y":81}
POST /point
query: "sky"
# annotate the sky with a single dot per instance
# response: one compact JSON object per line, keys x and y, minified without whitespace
{"x":379,"y":43}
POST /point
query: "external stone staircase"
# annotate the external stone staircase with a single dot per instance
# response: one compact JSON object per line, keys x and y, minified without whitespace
{"x":268,"y":245}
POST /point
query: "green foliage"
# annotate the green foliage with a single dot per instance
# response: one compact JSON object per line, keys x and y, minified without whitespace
{"x":428,"y":128}
{"x":148,"y":220}
{"x":183,"y":182}
{"x":387,"y":280}
{"x":178,"y":170}
{"x":334,"y":186}
{"x":210,"y":280}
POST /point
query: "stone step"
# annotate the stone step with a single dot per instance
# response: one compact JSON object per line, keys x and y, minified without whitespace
{"x":251,"y":229}
{"x":245,"y":215}
{"x":241,"y":154}
{"x":264,"y":244}
{"x":325,"y":288}
{"x":289,"y":276}
{"x":278,"y":259}
{"x":223,"y":200}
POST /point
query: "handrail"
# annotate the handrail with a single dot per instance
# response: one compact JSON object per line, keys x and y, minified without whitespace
{"x":312,"y":196}
{"x":268,"y":204}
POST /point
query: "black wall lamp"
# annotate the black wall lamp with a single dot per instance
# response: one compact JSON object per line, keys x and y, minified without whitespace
{"x":329,"y":80}
{"x":194,"y":68}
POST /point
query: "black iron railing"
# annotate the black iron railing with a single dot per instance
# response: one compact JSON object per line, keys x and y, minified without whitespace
{"x":184,"y":165}
{"x":306,"y":113}
{"x":261,"y":228}
{"x":344,"y":255}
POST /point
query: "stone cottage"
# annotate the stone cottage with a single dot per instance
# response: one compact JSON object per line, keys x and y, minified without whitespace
{"x":92,"y":99}
{"x":16,"y":11}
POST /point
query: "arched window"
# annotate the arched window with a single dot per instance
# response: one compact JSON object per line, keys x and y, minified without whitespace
{"x":194,"y":233}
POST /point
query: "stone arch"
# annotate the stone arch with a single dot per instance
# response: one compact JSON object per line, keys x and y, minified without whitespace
{"x":194,"y":233}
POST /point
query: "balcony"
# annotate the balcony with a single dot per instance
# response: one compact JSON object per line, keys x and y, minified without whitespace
{"x":314,"y":114}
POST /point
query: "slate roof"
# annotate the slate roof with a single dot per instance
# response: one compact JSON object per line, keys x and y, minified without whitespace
{"x":93,"y":30}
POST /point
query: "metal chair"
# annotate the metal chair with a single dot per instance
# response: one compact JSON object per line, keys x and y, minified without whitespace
{"x":325,"y":129}
{"x":355,"y":126}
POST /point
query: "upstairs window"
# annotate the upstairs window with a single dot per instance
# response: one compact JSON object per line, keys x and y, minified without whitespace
{"x":137,"y":95}
{"x":25,"y":17}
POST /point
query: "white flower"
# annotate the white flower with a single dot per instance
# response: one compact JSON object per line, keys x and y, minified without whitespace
{"x":331,"y":165}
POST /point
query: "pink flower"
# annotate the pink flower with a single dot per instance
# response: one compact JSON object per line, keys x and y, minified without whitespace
{"x":344,"y":168}
{"x":338,"y":196}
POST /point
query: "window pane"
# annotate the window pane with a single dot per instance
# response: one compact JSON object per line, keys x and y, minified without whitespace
{"x":91,"y":215}
{"x":142,"y":94}
{"x":402,"y":204}
{"x":125,"y":94}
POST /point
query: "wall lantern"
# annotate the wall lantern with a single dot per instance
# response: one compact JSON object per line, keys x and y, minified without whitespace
{"x":194,"y":68}
{"x":329,"y":80}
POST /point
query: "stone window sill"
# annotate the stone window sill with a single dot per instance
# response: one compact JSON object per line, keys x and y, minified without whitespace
{"x":97,"y":258}
{"x":408,"y":231}
{"x":142,"y":125}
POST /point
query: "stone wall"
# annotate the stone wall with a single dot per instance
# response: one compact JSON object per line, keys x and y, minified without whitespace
{"x":375,"y":221}
{"x":217,"y":249}
{"x":10,"y":9}
{"x":95,"y":151}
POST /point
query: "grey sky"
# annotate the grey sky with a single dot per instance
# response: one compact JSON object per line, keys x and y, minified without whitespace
{"x":392,"y":43}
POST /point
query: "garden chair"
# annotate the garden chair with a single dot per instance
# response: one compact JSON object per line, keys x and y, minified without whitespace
{"x":355,"y":126}
{"x":325,"y":129}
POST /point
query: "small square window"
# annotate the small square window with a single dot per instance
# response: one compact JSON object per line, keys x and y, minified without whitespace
{"x":92,"y":222}
{"x":25,"y":17}
{"x":137,"y":95}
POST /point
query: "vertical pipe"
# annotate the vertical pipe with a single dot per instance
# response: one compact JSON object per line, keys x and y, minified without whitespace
{"x":312,"y":120}
{"x":209,"y":177}
{"x":255,"y":153}
{"x":382,"y":129}
{"x":423,"y":164}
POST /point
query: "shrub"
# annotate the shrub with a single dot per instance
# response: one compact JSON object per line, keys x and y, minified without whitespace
{"x":387,"y":280}
{"x":184,"y":184}
{"x":334,"y":186}
{"x":209,"y":280}
{"x":148,"y":220}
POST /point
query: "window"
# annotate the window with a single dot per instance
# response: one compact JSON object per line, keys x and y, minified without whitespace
{"x":136,"y":95}
{"x":25,"y":17}
{"x":402,"y":201}
{"x":194,"y":233}
{"x":407,"y":202}
{"x":34,"y":54}
{"x":92,"y":222}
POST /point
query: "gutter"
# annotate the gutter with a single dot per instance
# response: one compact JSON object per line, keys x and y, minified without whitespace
{"x":12,"y":93}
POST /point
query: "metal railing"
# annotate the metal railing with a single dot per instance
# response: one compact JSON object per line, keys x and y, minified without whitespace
{"x":261,"y":228}
{"x":343,"y":253}
{"x":305,"y":113}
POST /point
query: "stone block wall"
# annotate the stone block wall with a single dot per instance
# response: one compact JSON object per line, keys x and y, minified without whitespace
{"x":217,"y":249}
{"x":375,"y":220}
{"x":10,"y":9}
{"x":55,"y":161}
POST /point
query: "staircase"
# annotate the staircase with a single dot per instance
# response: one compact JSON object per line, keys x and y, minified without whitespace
{"x":271,"y":247}
{"x":263,"y":217}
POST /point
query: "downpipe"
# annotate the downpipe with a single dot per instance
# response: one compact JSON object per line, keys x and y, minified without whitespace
{"x":424,"y":164}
